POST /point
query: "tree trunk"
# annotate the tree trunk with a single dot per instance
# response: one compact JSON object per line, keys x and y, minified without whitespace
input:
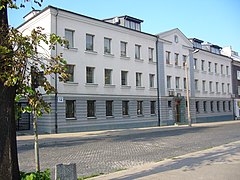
{"x":9,"y":169}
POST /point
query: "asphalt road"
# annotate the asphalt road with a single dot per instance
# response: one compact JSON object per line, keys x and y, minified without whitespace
{"x":116,"y":150}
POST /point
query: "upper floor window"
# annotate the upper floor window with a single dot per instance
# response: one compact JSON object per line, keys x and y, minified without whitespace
{"x":69,"y":36}
{"x":151,"y":80}
{"x":138,"y":79}
{"x":107,"y":46}
{"x":223,"y":88}
{"x":123,"y":49}
{"x":210,"y":86}
{"x":150,"y":54}
{"x":196,"y":84}
{"x":169,"y":82}
{"x":195,"y":63}
{"x":228,"y":88}
{"x":209,"y":67}
{"x":168,"y":57}
{"x":177,"y":81}
{"x":184,"y":83}
{"x":90,"y":74}
{"x":238,"y":75}
{"x":204,"y":85}
{"x":89,"y":42}
{"x":221,"y":69}
{"x":227,"y":70}
{"x":70,"y":72}
{"x":176,"y":59}
{"x":185,"y":60}
{"x":124,"y":78}
{"x":217,"y":88}
{"x":216,"y":68}
{"x":137,"y":51}
{"x":202,"y":65}
{"x":108,"y":76}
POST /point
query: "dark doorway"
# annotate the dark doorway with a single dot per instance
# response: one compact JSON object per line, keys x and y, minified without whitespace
{"x":178,"y":111}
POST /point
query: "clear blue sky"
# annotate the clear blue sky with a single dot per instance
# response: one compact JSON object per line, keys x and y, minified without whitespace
{"x":215,"y":21}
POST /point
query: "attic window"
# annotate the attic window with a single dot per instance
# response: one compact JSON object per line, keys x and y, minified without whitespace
{"x":176,"y":39}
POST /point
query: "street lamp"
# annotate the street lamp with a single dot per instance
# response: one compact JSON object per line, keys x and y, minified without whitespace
{"x":187,"y":88}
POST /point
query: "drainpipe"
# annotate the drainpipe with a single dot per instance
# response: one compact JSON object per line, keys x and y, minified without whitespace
{"x":158,"y":90}
{"x":56,"y":88}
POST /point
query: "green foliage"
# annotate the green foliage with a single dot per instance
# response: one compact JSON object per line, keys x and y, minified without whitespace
{"x":45,"y":175}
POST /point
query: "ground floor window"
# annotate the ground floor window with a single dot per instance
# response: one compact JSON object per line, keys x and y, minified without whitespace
{"x":218,"y":106}
{"x":229,"y":106}
{"x":139,"y":107}
{"x":109,"y":108}
{"x":91,"y":108}
{"x":197,"y":106}
{"x":211,"y":106}
{"x":70,"y":108}
{"x":125,"y":107}
{"x":205,"y":106}
{"x":153,"y":107}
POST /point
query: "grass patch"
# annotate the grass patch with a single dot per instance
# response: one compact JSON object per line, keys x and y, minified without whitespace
{"x":90,"y":176}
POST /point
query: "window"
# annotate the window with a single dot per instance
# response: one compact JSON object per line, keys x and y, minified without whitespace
{"x":89,"y":42}
{"x":109,"y":108}
{"x":70,"y":108}
{"x":238,"y":90}
{"x":176,"y":39}
{"x":210,"y":86}
{"x":238,"y":75}
{"x":176,"y":59}
{"x":70,"y":72}
{"x":196,"y":84}
{"x":125,"y":107}
{"x":169,"y":104}
{"x":205,"y":106}
{"x":215,"y":68}
{"x":139,"y":107}
{"x":228,"y":88}
{"x":169,"y":82}
{"x":223,"y":88}
{"x":184,"y":83}
{"x":91,"y":108}
{"x":203,"y":86}
{"x":218,"y":106}
{"x":211,"y":106}
{"x":202,"y":65}
{"x":153,"y":107}
{"x":185,"y":60}
{"x":124,"y":77}
{"x":221,"y":69}
{"x":197,"y":106}
{"x":151,"y":80}
{"x":90,"y":74}
{"x":69,"y":36}
{"x":224,"y":106}
{"x":108,"y":76}
{"x":107,"y":46}
{"x":150,"y":54}
{"x":229,"y":106}
{"x":209,"y":67}
{"x":137,"y":51}
{"x":123,"y":49}
{"x":217,"y":88}
{"x":177,"y":79}
{"x":138,"y":79}
{"x":195,"y":63}
{"x":227,"y":70}
{"x":168,"y":57}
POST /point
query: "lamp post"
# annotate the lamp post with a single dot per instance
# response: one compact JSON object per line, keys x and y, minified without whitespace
{"x":187,"y":88}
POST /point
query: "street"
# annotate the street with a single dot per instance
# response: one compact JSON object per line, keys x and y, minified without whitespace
{"x":110,"y":151}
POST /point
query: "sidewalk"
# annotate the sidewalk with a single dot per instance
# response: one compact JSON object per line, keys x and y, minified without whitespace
{"x":221,"y":163}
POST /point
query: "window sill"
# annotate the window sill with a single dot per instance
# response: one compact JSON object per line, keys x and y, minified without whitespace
{"x":91,"y":85}
{"x":70,"y":83}
{"x":108,"y":55}
{"x":218,"y":93}
{"x":71,"y":49}
{"x":204,"y":72}
{"x":139,"y":60}
{"x":125,"y":57}
{"x":169,"y":65}
{"x":93,"y":117}
{"x":178,"y":90}
{"x":109,"y":117}
{"x":197,"y":91}
{"x":109,"y":86}
{"x":212,"y":92}
{"x":125,"y":116}
{"x":178,"y":67}
{"x":90,"y":52}
{"x":205,"y":92}
{"x":210,"y":73}
{"x":217,"y":74}
{"x":152,"y":88}
{"x":125,"y":87}
{"x":223,"y":75}
{"x":140,"y":87}
{"x":69,"y":119}
{"x":153,"y":114}
{"x":140,"y":115}
{"x":152,"y":62}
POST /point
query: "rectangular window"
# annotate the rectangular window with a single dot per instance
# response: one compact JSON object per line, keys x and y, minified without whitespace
{"x":138,"y":79}
{"x":137,"y":51}
{"x":124,"y":78}
{"x":176,"y":59}
{"x":224,"y":106}
{"x":139,"y":107}
{"x":228,"y":88}
{"x":123,"y":49}
{"x":109,"y":108}
{"x":211,"y":106}
{"x":196,"y":84}
{"x":217,"y":88}
{"x":203,"y":86}
{"x":153,"y":107}
{"x":91,"y":108}
{"x":108,"y":76}
{"x":218,"y":106}
{"x":89,"y":42}
{"x":177,"y":81}
{"x":169,"y":82}
{"x":168,"y":57}
{"x":221,"y":69}
{"x":205,"y":106}
{"x":150,"y":54}
{"x":215,"y":68}
{"x":223,"y":88}
{"x":209,"y":67}
{"x":107,"y":46}
{"x":227,"y":70}
{"x":70,"y":108}
{"x":70,"y":72}
{"x":184,"y":60}
{"x":238,"y":75}
{"x":197,"y":106}
{"x":151,"y":80}
{"x":184,"y":83}
{"x":229,"y":106}
{"x":125,"y":107}
{"x":210,"y":86}
{"x":238,"y":90}
{"x":69,"y":36}
{"x":90,"y":74}
{"x":195,"y":63}
{"x":202,"y":65}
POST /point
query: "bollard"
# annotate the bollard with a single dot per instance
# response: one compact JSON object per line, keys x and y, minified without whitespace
{"x":66,"y":172}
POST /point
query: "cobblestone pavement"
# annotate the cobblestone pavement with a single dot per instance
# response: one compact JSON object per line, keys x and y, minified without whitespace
{"x":109,"y":152}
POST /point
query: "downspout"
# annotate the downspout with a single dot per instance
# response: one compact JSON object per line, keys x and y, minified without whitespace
{"x":158,"y":90}
{"x":56,"y":87}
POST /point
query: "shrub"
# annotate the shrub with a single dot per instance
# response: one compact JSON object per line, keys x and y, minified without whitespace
{"x":45,"y":175}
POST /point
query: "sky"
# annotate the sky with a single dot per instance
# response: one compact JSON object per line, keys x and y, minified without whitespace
{"x":214,"y":21}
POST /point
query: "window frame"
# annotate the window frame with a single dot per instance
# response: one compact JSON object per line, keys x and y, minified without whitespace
{"x":70,"y":113}
{"x":124,"y":78}
{"x":137,"y":51}
{"x":89,"y":43}
{"x":109,"y":108}
{"x":153,"y":107}
{"x":70,"y":44}
{"x":107,"y":45}
{"x":123,"y":49}
{"x":139,"y":108}
{"x":138,"y":79}
{"x":91,"y":108}
{"x":108,"y":79}
{"x":90,"y":79}
{"x":70,"y":72}
{"x":151,"y":80}
{"x":125,"y":108}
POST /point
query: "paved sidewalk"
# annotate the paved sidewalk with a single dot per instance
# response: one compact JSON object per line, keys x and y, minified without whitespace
{"x":221,"y":163}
